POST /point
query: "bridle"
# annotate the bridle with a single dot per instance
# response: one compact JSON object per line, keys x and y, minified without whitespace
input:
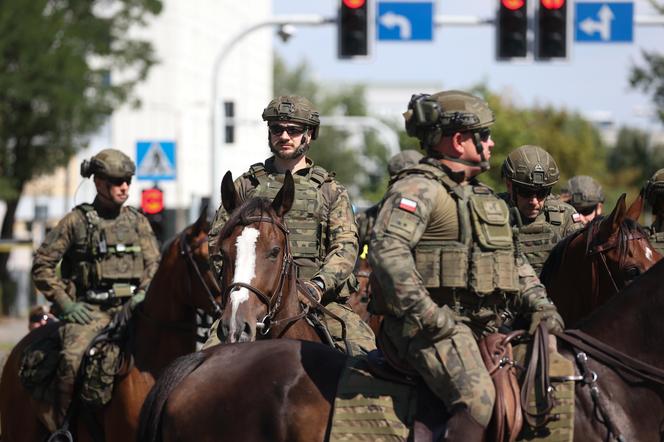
{"x":187,"y":252}
{"x":598,"y":253}
{"x":272,"y":303}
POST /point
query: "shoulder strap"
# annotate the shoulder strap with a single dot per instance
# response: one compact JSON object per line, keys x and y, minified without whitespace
{"x":319,"y":175}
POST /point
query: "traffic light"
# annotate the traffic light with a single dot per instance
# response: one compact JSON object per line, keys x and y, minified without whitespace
{"x":512,"y":29}
{"x":353,"y":28}
{"x":152,"y":204}
{"x":551,"y":29}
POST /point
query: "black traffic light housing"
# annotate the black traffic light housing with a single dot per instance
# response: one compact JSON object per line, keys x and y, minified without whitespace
{"x":512,"y":29}
{"x":551,"y":35}
{"x":353,"y":28}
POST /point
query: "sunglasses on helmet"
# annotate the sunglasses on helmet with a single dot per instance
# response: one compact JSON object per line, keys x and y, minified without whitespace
{"x":527,"y":193}
{"x":278,"y":129}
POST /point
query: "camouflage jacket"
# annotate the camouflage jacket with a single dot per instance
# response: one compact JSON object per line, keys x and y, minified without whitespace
{"x":337,"y":240}
{"x":657,"y":236}
{"x":420,"y":209}
{"x":67,"y":245}
{"x":537,"y":237}
{"x":365,"y":223}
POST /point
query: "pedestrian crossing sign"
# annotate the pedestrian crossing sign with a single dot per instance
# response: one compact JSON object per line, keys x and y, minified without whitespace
{"x":155,"y":160}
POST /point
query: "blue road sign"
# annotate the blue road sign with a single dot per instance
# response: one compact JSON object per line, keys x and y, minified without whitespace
{"x":155,"y":160}
{"x":405,"y":21}
{"x":604,"y":22}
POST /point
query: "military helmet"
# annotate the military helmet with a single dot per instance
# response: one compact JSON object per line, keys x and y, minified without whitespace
{"x":531,"y":166}
{"x":403,"y":160}
{"x":109,"y":163}
{"x":655,"y":187}
{"x":584,"y":192}
{"x":293,"y":108}
{"x":429,"y":117}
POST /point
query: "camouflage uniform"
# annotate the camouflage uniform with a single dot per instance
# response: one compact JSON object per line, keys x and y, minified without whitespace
{"x":106,"y":257}
{"x":323,"y":240}
{"x":533,"y":168}
{"x":366,"y":219}
{"x":445,"y":258}
{"x":654,"y":194}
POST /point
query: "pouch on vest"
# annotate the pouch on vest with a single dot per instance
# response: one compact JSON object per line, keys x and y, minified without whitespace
{"x":490,"y":271}
{"x":490,"y":218}
{"x":555,"y":216}
{"x":123,"y":260}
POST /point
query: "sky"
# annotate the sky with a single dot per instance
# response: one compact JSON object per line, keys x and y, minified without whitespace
{"x":594,"y":79}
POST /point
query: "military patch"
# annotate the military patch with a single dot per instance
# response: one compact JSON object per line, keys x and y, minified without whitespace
{"x":576,"y":217}
{"x":407,"y":205}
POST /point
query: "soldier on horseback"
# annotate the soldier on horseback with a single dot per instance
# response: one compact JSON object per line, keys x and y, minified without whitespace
{"x":324,"y":238}
{"x":446,"y":260}
{"x":654,"y":194}
{"x":541,"y":219}
{"x":98,"y":258}
{"x":585,"y":194}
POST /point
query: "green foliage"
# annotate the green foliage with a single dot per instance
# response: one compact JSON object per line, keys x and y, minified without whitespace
{"x":55,"y":59}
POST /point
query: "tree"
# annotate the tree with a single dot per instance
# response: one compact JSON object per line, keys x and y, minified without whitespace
{"x":633,"y":159}
{"x":650,"y":76}
{"x":56,"y":62}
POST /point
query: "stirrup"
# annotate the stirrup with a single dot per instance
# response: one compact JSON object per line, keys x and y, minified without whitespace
{"x":61,"y":435}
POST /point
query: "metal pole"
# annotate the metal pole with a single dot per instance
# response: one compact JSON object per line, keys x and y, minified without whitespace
{"x":305,"y":20}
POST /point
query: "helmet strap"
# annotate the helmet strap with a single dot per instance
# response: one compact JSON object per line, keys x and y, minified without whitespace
{"x":483,"y":163}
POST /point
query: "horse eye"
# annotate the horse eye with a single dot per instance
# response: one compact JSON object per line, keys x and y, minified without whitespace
{"x":632,"y":272}
{"x":274,"y":252}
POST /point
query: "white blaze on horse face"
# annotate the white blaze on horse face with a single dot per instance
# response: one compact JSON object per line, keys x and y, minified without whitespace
{"x":245,"y":267}
{"x":648,"y":253}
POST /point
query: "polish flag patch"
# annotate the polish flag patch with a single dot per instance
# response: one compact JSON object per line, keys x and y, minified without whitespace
{"x":576,"y":217}
{"x":407,"y":205}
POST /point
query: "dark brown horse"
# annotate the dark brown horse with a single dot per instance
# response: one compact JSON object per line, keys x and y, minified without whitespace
{"x":259,"y":277}
{"x":165,"y":328}
{"x":587,"y":268}
{"x":359,"y":301}
{"x":284,"y":390}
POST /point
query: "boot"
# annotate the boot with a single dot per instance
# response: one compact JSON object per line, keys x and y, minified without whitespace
{"x":463,"y":427}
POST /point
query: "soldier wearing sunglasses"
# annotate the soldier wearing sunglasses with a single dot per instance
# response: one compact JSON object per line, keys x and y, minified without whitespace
{"x":321,"y":217}
{"x":541,"y":218}
{"x":107,"y":255}
{"x":584,"y":194}
{"x":654,"y":194}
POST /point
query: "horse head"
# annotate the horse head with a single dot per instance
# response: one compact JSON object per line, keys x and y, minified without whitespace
{"x":258,"y":272}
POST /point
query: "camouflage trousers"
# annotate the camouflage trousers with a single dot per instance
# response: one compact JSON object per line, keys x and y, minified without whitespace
{"x":75,"y":340}
{"x":360,"y":336}
{"x":452,"y":368}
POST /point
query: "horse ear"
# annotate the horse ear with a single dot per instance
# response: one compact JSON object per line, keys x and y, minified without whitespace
{"x":229,"y":196}
{"x":201,"y":223}
{"x":615,"y":219}
{"x":283,"y":202}
{"x":635,"y":209}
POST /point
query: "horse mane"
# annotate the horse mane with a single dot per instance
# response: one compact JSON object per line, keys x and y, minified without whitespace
{"x":251,"y":206}
{"x":627,"y":227}
{"x":555,"y":258}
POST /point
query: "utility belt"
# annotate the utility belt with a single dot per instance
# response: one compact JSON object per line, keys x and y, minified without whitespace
{"x":117,"y":294}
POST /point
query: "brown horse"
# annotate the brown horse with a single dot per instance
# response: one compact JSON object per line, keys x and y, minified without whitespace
{"x":284,"y":390}
{"x":359,"y":301}
{"x":165,"y":328}
{"x":587,"y":268}
{"x":259,"y":278}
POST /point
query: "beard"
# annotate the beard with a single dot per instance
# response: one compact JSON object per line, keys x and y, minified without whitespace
{"x":301,"y":150}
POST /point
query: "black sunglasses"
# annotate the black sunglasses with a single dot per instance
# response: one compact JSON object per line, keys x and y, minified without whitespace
{"x":525,"y":192}
{"x":278,"y":129}
{"x":484,"y":134}
{"x":119,"y":181}
{"x":585,"y":211}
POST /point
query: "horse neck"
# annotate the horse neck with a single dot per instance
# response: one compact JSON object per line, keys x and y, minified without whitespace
{"x":299,"y":329}
{"x":167,"y":326}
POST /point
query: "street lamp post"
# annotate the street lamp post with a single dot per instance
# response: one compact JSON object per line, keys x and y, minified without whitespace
{"x":286,"y":20}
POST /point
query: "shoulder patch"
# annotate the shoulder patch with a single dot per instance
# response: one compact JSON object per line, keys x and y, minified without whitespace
{"x":576,"y":217}
{"x":408,"y":205}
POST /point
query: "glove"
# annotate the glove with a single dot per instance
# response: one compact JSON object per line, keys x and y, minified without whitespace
{"x":552,"y":321}
{"x":138,"y":297}
{"x":77,"y":312}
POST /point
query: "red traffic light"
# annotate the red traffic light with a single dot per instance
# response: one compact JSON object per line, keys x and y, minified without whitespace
{"x":152,"y":201}
{"x":513,"y":5}
{"x":354,"y":4}
{"x":553,"y":4}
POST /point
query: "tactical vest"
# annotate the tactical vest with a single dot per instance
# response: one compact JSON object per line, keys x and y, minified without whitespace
{"x":482,"y":260}
{"x":657,"y":241}
{"x":538,"y":238}
{"x":107,"y":254}
{"x":306,"y":223}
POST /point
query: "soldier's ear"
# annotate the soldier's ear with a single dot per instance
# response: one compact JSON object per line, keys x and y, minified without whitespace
{"x":283,"y":202}
{"x":229,"y":196}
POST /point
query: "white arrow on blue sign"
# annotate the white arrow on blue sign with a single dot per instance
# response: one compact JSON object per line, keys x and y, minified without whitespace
{"x":405,"y":21}
{"x":604,"y":22}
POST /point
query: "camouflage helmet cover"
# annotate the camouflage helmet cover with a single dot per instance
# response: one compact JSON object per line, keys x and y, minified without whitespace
{"x":531,"y":166}
{"x":429,"y":117}
{"x":584,"y":192}
{"x":655,"y":187}
{"x":109,"y":163}
{"x":403,"y":160}
{"x":293,"y":108}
